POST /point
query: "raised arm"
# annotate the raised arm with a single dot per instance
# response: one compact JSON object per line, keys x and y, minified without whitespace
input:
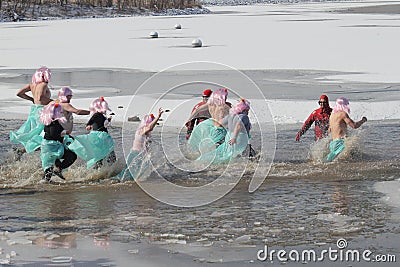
{"x":151,"y":126}
{"x":22,"y":93}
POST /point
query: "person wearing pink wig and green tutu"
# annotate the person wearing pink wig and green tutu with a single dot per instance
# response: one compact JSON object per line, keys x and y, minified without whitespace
{"x":30,"y":134}
{"x":237,"y":137}
{"x":210,"y":133}
{"x":54,"y":154}
{"x":64,"y":98}
{"x":338,"y":122}
{"x":139,"y":149}
{"x":98,"y":144}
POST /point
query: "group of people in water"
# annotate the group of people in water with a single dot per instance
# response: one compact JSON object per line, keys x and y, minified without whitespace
{"x":50,"y":123}
{"x":334,"y":121}
{"x":217,"y":131}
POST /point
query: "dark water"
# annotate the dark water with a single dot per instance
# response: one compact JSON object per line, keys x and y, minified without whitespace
{"x":302,"y":201}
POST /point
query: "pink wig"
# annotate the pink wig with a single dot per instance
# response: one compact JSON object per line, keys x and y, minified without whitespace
{"x":99,"y":105}
{"x":342,"y":104}
{"x":241,"y":106}
{"x":218,"y":97}
{"x":42,"y":74}
{"x":63,"y":93}
{"x":52,"y":112}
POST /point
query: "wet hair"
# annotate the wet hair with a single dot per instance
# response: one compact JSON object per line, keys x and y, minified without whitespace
{"x":342,"y":104}
{"x":241,"y":106}
{"x":52,"y":112}
{"x":43,"y":74}
{"x":99,"y":105}
{"x":63,"y":93}
{"x":218,"y":97}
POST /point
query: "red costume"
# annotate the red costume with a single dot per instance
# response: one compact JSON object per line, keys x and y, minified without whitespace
{"x":320,"y":117}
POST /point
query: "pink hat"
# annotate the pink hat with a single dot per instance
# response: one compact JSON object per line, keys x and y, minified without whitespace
{"x":218,"y":97}
{"x":99,"y":105}
{"x":342,"y":104}
{"x":42,"y":74}
{"x":63,"y":93}
{"x":52,"y":112}
{"x":241,"y":106}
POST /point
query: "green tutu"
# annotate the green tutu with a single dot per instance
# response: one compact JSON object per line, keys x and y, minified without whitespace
{"x":31,"y":133}
{"x":92,"y":147}
{"x":134,"y":167}
{"x":225,"y":152}
{"x":205,"y":136}
{"x":336,"y":146}
{"x":50,"y":151}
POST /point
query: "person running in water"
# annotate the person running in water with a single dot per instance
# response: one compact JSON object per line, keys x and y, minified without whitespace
{"x":98,"y":144}
{"x":338,"y":126}
{"x":200,"y":116}
{"x":30,"y":134}
{"x":137,"y":154}
{"x":210,"y":133}
{"x":321,"y":118}
{"x":54,"y":154}
{"x":238,"y":126}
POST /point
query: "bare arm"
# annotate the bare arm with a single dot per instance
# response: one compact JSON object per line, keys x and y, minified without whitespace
{"x":195,"y":113}
{"x":151,"y":126}
{"x":353,"y":124}
{"x":22,"y":92}
{"x":238,"y":126}
{"x":68,"y":107}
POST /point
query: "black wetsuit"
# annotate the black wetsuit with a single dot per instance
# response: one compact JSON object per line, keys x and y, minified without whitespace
{"x":53,"y":132}
{"x":97,"y":122}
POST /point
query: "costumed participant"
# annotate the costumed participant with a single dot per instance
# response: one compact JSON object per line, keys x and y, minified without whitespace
{"x":197,"y":117}
{"x":64,"y":98}
{"x":210,"y":133}
{"x":338,"y":127}
{"x":140,"y":148}
{"x":54,"y":154}
{"x":98,"y":144}
{"x":237,"y":138}
{"x":30,"y":134}
{"x":320,"y":117}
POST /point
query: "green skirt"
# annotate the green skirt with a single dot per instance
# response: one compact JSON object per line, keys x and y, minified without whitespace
{"x":205,"y":137}
{"x":336,"y":147}
{"x":50,"y":151}
{"x":225,"y":152}
{"x":135,"y":165}
{"x":92,"y":147}
{"x":31,"y":133}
